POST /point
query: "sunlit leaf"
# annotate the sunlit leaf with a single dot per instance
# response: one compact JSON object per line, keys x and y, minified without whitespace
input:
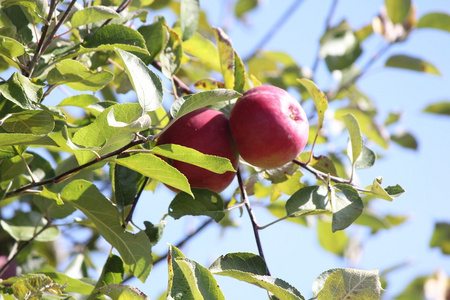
{"x":355,"y":137}
{"x":23,"y":226}
{"x":92,"y":14}
{"x":334,"y":242}
{"x":405,"y":139}
{"x":171,"y":55}
{"x":320,"y":100}
{"x":442,"y":108}
{"x":134,"y":249}
{"x":204,"y":50}
{"x":178,"y":285}
{"x":349,"y":284}
{"x":33,"y":287}
{"x":82,"y":100}
{"x":242,"y":7}
{"x":397,"y":10}
{"x":10,"y":47}
{"x":436,"y":20}
{"x":21,"y":91}
{"x":154,"y":36}
{"x":206,"y":203}
{"x":226,"y":55}
{"x":389,"y":193}
{"x":154,"y":167}
{"x":122,"y":292}
{"x":189,"y":14}
{"x":75,"y":75}
{"x":411,"y":63}
{"x":202,"y":99}
{"x":191,"y":156}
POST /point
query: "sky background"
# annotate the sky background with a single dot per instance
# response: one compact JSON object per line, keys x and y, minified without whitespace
{"x":292,"y":251}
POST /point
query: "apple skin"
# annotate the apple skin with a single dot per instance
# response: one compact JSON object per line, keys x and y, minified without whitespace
{"x":205,"y":130}
{"x":269,"y":127}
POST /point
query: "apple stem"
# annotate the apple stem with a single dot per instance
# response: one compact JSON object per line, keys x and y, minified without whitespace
{"x":255,"y":225}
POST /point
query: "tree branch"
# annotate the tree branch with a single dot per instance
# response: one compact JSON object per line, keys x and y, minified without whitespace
{"x":252,"y":217}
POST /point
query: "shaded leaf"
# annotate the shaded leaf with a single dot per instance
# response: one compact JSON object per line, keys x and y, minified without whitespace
{"x":23,"y":226}
{"x":356,"y":140}
{"x":205,"y":203}
{"x":8,"y":139}
{"x":441,"y":237}
{"x":34,"y":286}
{"x":122,"y":292}
{"x":125,"y":185}
{"x":171,"y":55}
{"x":115,"y":35}
{"x":334,"y":242}
{"x":309,"y":200}
{"x":154,"y":232}
{"x":185,"y":105}
{"x":189,"y":14}
{"x":345,"y":209}
{"x":134,"y":249}
{"x":208,"y":84}
{"x":349,"y":284}
{"x":390,"y":193}
{"x":178,"y":285}
{"x":442,"y":108}
{"x":37,"y":122}
{"x":92,"y":14}
{"x":366,"y":159}
{"x":436,"y":20}
{"x":405,"y":139}
{"x":154,"y":167}
{"x":320,"y":163}
{"x":411,"y":63}
{"x":242,"y":7}
{"x":242,"y":261}
{"x":397,"y":10}
{"x":155,"y":37}
{"x":21,"y":91}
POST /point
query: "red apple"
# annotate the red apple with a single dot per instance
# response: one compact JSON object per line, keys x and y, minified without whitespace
{"x":269,"y":127}
{"x":205,"y":130}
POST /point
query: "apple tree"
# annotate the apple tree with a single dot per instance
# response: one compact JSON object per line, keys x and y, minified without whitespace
{"x":76,"y":154}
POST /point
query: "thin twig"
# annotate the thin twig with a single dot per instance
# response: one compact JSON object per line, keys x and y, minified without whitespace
{"x":119,"y":9}
{"x":24,"y":245}
{"x":272,"y":32}
{"x":181,"y":86}
{"x":321,"y":175}
{"x":252,"y":217}
{"x":134,"y":204}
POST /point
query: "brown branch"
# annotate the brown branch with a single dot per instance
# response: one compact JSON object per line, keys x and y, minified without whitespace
{"x":181,"y":86}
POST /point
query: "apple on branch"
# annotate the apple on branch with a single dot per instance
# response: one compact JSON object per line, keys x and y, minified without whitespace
{"x":205,"y":130}
{"x":269,"y":127}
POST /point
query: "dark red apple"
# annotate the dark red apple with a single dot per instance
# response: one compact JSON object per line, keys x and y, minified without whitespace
{"x":205,"y":130}
{"x":269,"y":127}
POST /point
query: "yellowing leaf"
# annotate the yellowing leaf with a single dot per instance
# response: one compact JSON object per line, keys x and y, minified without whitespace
{"x":227,"y":59}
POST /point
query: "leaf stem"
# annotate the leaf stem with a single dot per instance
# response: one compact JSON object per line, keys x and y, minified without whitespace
{"x":255,"y":225}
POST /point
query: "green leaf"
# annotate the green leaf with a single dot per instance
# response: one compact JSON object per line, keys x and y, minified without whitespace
{"x":334,"y":242}
{"x":191,"y":156}
{"x":240,"y":74}
{"x":203,"y":99}
{"x":441,"y":237}
{"x":208,"y":84}
{"x":21,"y":91}
{"x":147,"y":85}
{"x":310,"y":200}
{"x":100,"y":134}
{"x":23,"y":226}
{"x":340,"y":47}
{"x":135,"y":249}
{"x":442,"y":108}
{"x":356,"y":140}
{"x":201,"y":282}
{"x":125,"y":184}
{"x":33,"y":287}
{"x":345,"y":209}
{"x":390,"y":193}
{"x":116,"y":36}
{"x":203,"y":202}
{"x":366,"y":159}
{"x":178,"y":285}
{"x":92,"y":14}
{"x":242,"y":7}
{"x":239,"y":268}
{"x":397,"y":10}
{"x":82,"y":100}
{"x":154,"y":232}
{"x":368,"y":126}
{"x":142,"y":122}
{"x":405,"y":139}
{"x":122,"y":292}
{"x":8,"y":139}
{"x":154,"y":167}
{"x":10,"y":48}
{"x":436,"y":20}
{"x":189,"y":14}
{"x":75,"y":75}
{"x":154,"y":36}
{"x":227,"y":58}
{"x":319,"y":98}
{"x":411,"y":63}
{"x":320,"y":163}
{"x":349,"y":284}
{"x":242,"y":261}
{"x":204,"y":50}
{"x":37,"y":122}
{"x":72,"y":285}
{"x":171,"y":55}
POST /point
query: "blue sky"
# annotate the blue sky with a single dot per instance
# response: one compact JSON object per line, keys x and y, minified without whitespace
{"x":292,"y":251}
